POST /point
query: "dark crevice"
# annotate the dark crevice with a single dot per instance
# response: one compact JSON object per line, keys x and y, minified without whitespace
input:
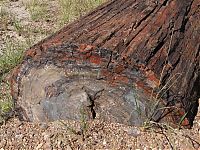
{"x":153,"y":13}
{"x":198,"y":51}
{"x":127,"y":43}
{"x":182,"y":29}
{"x":92,"y":97}
{"x":110,"y":59}
{"x":158,"y":47}
{"x":93,"y":113}
{"x":193,"y":109}
{"x":165,"y":2}
{"x":110,"y":36}
{"x":174,"y":64}
{"x":144,"y":18}
{"x":185,"y":17}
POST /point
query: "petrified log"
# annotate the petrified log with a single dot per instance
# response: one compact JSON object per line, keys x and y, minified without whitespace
{"x":126,"y":61}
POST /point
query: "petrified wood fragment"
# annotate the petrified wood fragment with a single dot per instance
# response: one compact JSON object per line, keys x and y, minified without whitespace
{"x":69,"y":81}
{"x":126,"y":61}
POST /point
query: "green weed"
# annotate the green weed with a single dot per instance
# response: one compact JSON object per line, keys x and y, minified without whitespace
{"x":12,"y":56}
{"x":83,"y":125}
{"x":6,"y":102}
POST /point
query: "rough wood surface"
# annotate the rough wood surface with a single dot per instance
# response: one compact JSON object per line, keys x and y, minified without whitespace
{"x":159,"y":39}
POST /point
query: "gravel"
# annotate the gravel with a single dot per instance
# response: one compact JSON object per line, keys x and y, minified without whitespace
{"x":17,"y":134}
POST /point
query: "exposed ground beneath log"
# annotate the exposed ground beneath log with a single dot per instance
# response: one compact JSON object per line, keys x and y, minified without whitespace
{"x":99,"y":135}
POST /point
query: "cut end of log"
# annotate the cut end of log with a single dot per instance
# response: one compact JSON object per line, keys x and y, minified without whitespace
{"x":51,"y":89}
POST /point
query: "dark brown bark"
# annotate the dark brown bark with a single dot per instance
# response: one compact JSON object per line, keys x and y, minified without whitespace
{"x":160,"y":39}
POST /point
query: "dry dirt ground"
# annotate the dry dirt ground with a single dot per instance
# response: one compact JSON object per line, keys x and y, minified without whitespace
{"x":16,"y":26}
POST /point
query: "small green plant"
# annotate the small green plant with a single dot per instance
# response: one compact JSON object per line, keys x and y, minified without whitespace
{"x":6,"y":102}
{"x":83,"y":125}
{"x":156,"y":107}
{"x":162,"y":89}
{"x":12,"y":56}
{"x":17,"y":25}
{"x":182,"y":118}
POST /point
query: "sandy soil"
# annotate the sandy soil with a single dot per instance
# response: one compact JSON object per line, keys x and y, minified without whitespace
{"x":96,"y":135}
{"x":72,"y":135}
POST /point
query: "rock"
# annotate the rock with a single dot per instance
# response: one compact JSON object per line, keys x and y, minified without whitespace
{"x":133,"y":132}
